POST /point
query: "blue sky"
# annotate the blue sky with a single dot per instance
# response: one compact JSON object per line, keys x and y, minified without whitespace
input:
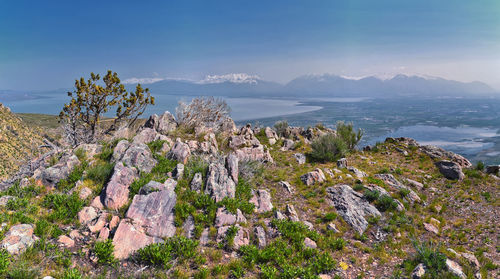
{"x":47,"y":44}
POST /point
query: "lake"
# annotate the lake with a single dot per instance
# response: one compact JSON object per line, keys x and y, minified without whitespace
{"x":469,"y":127}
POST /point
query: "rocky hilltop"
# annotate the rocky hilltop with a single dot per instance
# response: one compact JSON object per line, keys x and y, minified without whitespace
{"x":246,"y":202}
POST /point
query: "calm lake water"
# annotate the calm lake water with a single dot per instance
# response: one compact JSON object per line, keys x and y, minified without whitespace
{"x":466,"y":126}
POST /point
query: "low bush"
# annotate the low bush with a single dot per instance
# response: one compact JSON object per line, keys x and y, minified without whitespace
{"x":72,"y":273}
{"x":104,"y":252}
{"x":100,"y":173}
{"x":328,"y":148}
{"x":5,"y":259}
{"x":64,"y":207}
{"x":160,"y":254}
{"x":282,"y":129}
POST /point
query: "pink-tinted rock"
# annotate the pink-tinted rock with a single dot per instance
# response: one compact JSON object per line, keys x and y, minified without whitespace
{"x":241,"y":238}
{"x":96,"y":202}
{"x":154,"y":212}
{"x":75,"y":235}
{"x":85,"y":192}
{"x":18,"y":238}
{"x":145,"y":136}
{"x":313,"y":177}
{"x":129,"y":238}
{"x":431,"y":228}
{"x":309,"y":243}
{"x":180,"y":152}
{"x":87,"y":214}
{"x":262,"y":201}
{"x":116,"y":193}
{"x":224,"y":217}
{"x":219,"y":185}
{"x":103,"y":234}
{"x":114,"y":222}
{"x":256,"y":153}
{"x":100,"y":223}
{"x":65,"y":241}
{"x":232,"y":167}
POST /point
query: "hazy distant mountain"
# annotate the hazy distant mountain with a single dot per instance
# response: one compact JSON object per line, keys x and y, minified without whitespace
{"x":399,"y":85}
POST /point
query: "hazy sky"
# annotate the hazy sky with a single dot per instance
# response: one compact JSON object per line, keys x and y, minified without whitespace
{"x":47,"y":44}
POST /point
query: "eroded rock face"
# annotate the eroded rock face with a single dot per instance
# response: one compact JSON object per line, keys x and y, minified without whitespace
{"x":130,"y":238}
{"x":493,"y":169}
{"x":262,"y":201}
{"x":18,"y":238}
{"x":197,"y":182}
{"x":450,"y":170}
{"x":224,"y":217}
{"x":219,"y":185}
{"x":256,"y":153}
{"x":139,"y":155}
{"x":162,"y":124}
{"x":313,"y":177}
{"x":180,"y":152}
{"x":154,"y":212}
{"x":392,"y":182}
{"x":116,"y":192}
{"x":359,"y":174}
{"x":351,"y":206}
{"x":145,"y":136}
{"x":260,"y":234}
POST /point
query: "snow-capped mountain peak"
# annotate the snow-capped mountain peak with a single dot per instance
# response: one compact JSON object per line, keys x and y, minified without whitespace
{"x":232,"y":78}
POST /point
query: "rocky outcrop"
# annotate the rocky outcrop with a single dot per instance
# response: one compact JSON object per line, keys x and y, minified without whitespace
{"x":163,"y":124}
{"x":116,"y":192}
{"x":18,"y":238}
{"x":223,"y":217}
{"x":145,"y":136}
{"x":438,"y":153}
{"x":134,"y":155}
{"x":52,"y":175}
{"x":241,"y":238}
{"x":154,"y":212}
{"x":493,"y":169}
{"x":351,"y":206}
{"x":450,"y":170}
{"x":313,"y":177}
{"x":260,"y":235}
{"x":197,"y":182}
{"x":392,"y":182}
{"x":262,"y":201}
{"x":257,"y":153}
{"x":359,"y":174}
{"x":219,"y":185}
{"x":179,"y":152}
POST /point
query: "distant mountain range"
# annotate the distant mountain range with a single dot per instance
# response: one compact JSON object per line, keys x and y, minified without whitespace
{"x":326,"y":85}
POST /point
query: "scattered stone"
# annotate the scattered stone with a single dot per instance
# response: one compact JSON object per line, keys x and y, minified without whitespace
{"x":116,"y":193}
{"x":437,"y":153}
{"x":329,"y":172}
{"x":418,"y":272}
{"x":180,"y":152}
{"x":261,"y":237}
{"x":390,"y":180}
{"x":75,"y":235}
{"x":240,"y":218}
{"x":332,"y":227}
{"x":415,"y":184}
{"x":219,"y":185}
{"x":5,"y":199}
{"x":197,"y":182}
{"x":288,"y":144}
{"x":278,"y":215}
{"x":313,"y":177}
{"x":402,"y":151}
{"x":232,"y":167}
{"x":351,"y":206}
{"x":472,"y":260}
{"x":359,"y":174}
{"x":188,"y":227}
{"x":286,"y":185}
{"x":179,"y":171}
{"x":87,"y":215}
{"x":450,"y":170}
{"x":309,"y":243}
{"x":455,"y":268}
{"x":435,"y":222}
{"x":100,"y":223}
{"x":292,"y":214}
{"x":65,"y":241}
{"x":96,"y":203}
{"x":262,"y":201}
{"x":241,"y":238}
{"x":301,"y":158}
{"x":308,"y":224}
{"x":18,"y":238}
{"x":115,"y":220}
{"x":205,"y":237}
{"x":493,"y":169}
{"x":431,"y":228}
{"x":342,"y":163}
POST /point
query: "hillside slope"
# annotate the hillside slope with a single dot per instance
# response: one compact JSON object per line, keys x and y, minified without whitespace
{"x":19,"y":142}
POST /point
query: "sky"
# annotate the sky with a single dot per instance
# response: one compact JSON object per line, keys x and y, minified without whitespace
{"x":48,"y":44}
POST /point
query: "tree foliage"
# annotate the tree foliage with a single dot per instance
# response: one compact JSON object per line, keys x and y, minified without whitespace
{"x":91,"y":99}
{"x":331,"y":147}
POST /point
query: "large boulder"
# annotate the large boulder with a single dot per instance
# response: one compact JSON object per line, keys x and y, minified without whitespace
{"x":351,"y":206}
{"x":145,"y":136}
{"x":18,"y":238}
{"x":154,"y":212}
{"x":392,"y":182}
{"x":52,"y":175}
{"x":130,"y":238}
{"x":219,"y":185}
{"x":493,"y":169}
{"x":179,"y":152}
{"x":116,"y":192}
{"x":313,"y":177}
{"x":135,"y":154}
{"x":162,"y":124}
{"x":450,"y":170}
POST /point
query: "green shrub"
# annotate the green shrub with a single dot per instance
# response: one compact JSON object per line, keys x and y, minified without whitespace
{"x":328,"y":148}
{"x":236,"y":269}
{"x":81,"y":154}
{"x":160,"y":254}
{"x":75,"y":175}
{"x":23,"y":271}
{"x":330,"y":216}
{"x":429,"y":255}
{"x":155,"y":146}
{"x":4,"y":261}
{"x":104,"y":252}
{"x":44,"y":229}
{"x":269,"y":272}
{"x":64,"y":207}
{"x":371,"y":196}
{"x":17,"y":203}
{"x":385,"y":202}
{"x":323,"y":263}
{"x":345,"y":131}
{"x":72,"y":273}
{"x":337,"y":243}
{"x":202,"y":273}
{"x":100,"y":173}
{"x":480,"y":166}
